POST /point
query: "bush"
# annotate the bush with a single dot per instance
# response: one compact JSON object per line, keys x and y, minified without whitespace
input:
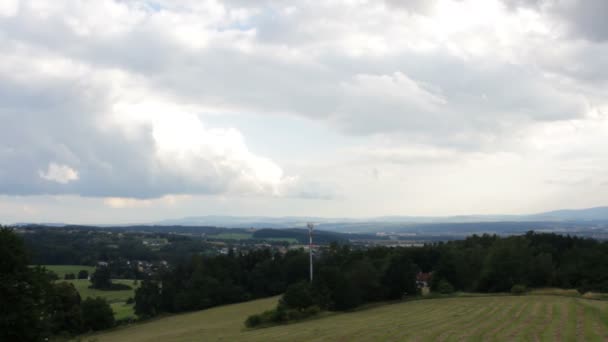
{"x":253,"y":321}
{"x":444,"y":287}
{"x":294,"y":315}
{"x":298,"y":296}
{"x":119,"y":287}
{"x":52,"y":275}
{"x":518,"y":289}
{"x":281,"y":315}
{"x":83,"y":274}
{"x":97,"y":314}
{"x":69,"y":276}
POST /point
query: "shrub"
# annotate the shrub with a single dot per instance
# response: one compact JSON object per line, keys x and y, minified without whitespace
{"x":444,"y":287}
{"x":97,"y":314}
{"x":281,"y":315}
{"x":52,"y":275}
{"x":518,"y":289}
{"x":253,"y":321}
{"x":298,"y":296}
{"x":294,"y":315}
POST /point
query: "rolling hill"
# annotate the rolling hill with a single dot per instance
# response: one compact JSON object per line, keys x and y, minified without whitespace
{"x":532,"y":317}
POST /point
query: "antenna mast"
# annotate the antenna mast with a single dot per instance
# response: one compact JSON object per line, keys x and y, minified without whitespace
{"x":310,"y":228}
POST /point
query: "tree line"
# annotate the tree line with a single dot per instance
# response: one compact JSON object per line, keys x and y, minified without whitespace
{"x":489,"y":263}
{"x":345,"y":278}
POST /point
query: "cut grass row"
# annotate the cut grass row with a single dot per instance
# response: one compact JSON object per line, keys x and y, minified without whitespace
{"x":495,"y":318}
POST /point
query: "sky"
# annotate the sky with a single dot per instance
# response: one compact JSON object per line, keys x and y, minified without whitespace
{"x":132,"y":111}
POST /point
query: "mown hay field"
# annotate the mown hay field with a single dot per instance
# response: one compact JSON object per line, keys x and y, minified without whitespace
{"x":488,"y":318}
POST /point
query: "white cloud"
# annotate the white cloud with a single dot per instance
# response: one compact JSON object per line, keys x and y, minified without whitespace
{"x":131,"y":101}
{"x":59,"y":173}
{"x":129,"y":203}
{"x":9,"y":8}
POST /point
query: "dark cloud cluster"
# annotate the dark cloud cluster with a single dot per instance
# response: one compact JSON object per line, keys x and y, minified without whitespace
{"x":583,"y":18}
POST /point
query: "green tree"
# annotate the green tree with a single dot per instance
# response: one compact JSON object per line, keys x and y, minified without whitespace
{"x":147,"y":299}
{"x":83,"y":274}
{"x":444,"y":287}
{"x":101,"y":278}
{"x":299,"y":296}
{"x":400,"y":277}
{"x":65,"y":310}
{"x":23,"y":290}
{"x":97,"y":314}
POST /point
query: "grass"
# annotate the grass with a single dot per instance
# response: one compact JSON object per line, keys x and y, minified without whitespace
{"x":62,"y":270}
{"x":529,"y":318}
{"x":279,"y":239}
{"x":122,"y":310}
{"x":232,"y":236}
{"x":82,"y":285}
{"x":117,"y":299}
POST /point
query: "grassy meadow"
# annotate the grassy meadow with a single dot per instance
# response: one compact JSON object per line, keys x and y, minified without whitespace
{"x":519,"y":318}
{"x":62,"y":270}
{"x":117,"y":299}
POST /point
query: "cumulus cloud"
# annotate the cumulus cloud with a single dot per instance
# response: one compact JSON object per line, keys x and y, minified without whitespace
{"x":114,"y":98}
{"x":73,"y":128}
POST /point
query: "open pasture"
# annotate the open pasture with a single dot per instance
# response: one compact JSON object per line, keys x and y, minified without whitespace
{"x":487,"y":318}
{"x":62,"y":270}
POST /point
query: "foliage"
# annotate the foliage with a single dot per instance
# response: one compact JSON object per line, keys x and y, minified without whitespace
{"x":23,"y":291}
{"x":66,"y":312}
{"x":83,"y":274}
{"x":35,"y":306}
{"x":101,"y":278}
{"x":400,"y":277}
{"x":147,"y":299}
{"x":518,"y":289}
{"x":299,"y":296}
{"x":97,"y":314}
{"x":281,"y":314}
{"x":444,"y":287}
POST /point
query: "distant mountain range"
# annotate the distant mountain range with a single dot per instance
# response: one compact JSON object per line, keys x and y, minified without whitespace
{"x":392,"y":223}
{"x":558,"y":220}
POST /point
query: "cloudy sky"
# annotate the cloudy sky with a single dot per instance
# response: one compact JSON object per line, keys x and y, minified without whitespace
{"x":135,"y":111}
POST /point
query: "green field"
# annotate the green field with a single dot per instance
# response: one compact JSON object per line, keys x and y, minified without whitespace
{"x":82,"y":285}
{"x":289,"y":240}
{"x":231,"y":236}
{"x":117,"y":299}
{"x":527,"y":318}
{"x":62,"y":270}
